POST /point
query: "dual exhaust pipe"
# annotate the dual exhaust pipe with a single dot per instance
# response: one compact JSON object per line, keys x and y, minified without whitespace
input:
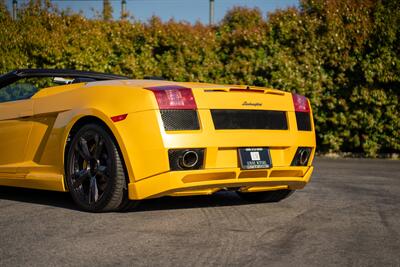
{"x":192,"y":159}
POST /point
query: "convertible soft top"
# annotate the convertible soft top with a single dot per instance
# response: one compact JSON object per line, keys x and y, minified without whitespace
{"x":78,"y":75}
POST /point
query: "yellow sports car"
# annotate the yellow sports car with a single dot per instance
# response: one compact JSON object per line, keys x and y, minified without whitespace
{"x":111,"y":141}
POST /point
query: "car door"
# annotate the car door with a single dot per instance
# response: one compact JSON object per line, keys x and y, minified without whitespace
{"x":15,"y":127}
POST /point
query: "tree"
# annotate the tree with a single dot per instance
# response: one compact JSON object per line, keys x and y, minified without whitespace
{"x":107,"y":10}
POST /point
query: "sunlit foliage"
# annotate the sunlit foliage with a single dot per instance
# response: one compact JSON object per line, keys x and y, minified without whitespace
{"x":343,"y":54}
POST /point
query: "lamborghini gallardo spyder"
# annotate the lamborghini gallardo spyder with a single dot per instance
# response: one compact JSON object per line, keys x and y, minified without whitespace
{"x":112,"y":141}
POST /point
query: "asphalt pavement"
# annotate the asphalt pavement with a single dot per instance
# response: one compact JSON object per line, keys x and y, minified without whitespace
{"x":349,"y":215}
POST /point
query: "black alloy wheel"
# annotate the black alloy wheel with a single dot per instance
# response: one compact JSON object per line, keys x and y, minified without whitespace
{"x":95,"y":174}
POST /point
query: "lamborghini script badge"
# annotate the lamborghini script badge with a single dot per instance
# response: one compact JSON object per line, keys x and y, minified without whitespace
{"x":245,"y":103}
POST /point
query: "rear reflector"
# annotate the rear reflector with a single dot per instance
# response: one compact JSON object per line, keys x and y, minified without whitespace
{"x":119,"y":118}
{"x":174,"y":97}
{"x":300,"y":103}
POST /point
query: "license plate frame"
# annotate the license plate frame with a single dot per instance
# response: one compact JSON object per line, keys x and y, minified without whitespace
{"x":255,"y":158}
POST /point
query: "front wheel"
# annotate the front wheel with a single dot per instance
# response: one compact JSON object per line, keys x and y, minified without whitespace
{"x":266,"y":196}
{"x":94,"y":172}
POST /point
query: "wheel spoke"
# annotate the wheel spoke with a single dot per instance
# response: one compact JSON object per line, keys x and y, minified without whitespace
{"x":79,"y":150}
{"x":93,"y":190}
{"x":84,"y":150}
{"x":99,"y":146}
{"x":80,"y":177}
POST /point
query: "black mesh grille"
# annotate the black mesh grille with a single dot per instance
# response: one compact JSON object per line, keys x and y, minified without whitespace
{"x":249,"y":119}
{"x":303,"y":121}
{"x":175,"y":120}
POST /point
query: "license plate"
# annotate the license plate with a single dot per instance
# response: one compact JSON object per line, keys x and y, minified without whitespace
{"x":255,"y":158}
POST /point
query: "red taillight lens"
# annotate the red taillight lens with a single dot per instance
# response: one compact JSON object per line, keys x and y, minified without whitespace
{"x":174,"y":97}
{"x":300,"y":103}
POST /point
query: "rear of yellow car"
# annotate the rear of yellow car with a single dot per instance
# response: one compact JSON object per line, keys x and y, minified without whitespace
{"x":200,"y":139}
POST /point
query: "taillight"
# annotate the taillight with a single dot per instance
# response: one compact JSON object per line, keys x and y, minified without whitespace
{"x":300,"y":103}
{"x":177,"y":107}
{"x":174,"y":97}
{"x":302,"y":110}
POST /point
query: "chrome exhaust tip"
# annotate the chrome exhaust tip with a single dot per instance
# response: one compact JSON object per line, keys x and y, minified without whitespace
{"x":186,"y":159}
{"x":303,"y":157}
{"x":189,"y":159}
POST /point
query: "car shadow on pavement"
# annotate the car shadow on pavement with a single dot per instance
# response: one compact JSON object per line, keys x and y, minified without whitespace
{"x":222,"y":198}
{"x":41,"y":197}
{"x":63,"y":200}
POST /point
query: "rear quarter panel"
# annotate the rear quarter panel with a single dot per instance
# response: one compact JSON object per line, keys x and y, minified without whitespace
{"x":57,"y":109}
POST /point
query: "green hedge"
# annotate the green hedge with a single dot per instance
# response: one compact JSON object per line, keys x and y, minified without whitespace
{"x":343,"y":55}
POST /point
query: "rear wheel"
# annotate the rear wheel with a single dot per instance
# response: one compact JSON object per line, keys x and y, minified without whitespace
{"x":94,"y":172}
{"x":266,"y":196}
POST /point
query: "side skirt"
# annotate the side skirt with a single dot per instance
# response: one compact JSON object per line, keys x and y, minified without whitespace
{"x":45,"y":181}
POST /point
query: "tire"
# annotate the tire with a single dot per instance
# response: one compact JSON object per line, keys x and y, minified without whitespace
{"x":95,"y":173}
{"x":266,"y":196}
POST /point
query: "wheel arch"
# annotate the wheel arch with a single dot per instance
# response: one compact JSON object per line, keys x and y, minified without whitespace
{"x":85,"y":119}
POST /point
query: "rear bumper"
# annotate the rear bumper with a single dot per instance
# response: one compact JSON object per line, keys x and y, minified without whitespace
{"x":145,"y":143}
{"x":208,"y":181}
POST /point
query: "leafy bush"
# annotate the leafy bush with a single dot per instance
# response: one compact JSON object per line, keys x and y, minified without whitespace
{"x":343,"y":55}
